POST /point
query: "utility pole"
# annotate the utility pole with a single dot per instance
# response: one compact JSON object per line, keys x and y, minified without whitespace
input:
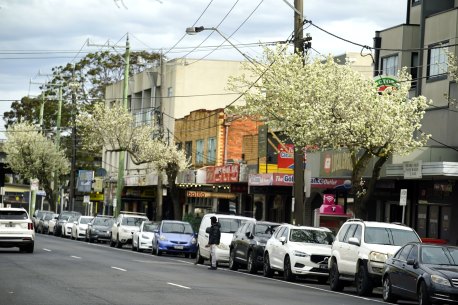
{"x":57,"y":142}
{"x":299,"y":203}
{"x":73,"y":163}
{"x":122,"y":154}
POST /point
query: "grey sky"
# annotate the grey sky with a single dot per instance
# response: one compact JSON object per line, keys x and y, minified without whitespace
{"x":32,"y":30}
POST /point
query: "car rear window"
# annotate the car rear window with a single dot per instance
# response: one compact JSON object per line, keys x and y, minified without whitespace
{"x":387,"y":236}
{"x":132,"y":221}
{"x":230,"y":225}
{"x":13,"y":215}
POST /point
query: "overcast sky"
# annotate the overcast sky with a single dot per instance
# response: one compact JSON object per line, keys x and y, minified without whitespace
{"x":36,"y":35}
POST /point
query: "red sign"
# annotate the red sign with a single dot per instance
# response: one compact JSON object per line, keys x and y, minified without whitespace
{"x":285,"y":158}
{"x":223,"y":174}
{"x":288,"y":180}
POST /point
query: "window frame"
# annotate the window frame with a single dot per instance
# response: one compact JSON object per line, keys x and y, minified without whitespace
{"x":395,"y":67}
{"x":200,"y":151}
{"x":439,"y":76}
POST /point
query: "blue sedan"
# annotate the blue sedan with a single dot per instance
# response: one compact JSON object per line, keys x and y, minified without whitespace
{"x":175,"y":237}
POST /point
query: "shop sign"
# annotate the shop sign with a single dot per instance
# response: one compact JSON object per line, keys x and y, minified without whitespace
{"x":384,"y":82}
{"x":412,"y":170}
{"x":223,"y":174}
{"x":285,"y":157}
{"x":260,"y":179}
{"x":201,"y":194}
{"x":96,"y":197}
{"x":283,"y":179}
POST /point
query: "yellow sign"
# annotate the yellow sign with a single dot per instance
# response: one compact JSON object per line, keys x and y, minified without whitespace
{"x":96,"y":197}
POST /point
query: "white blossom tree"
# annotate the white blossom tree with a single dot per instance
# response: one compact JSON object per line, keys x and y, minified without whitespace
{"x":320,"y":103}
{"x":114,"y":128}
{"x":32,"y":155}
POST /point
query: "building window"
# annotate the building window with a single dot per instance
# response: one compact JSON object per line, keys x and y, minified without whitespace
{"x":188,"y":149}
{"x":211,"y":150}
{"x":414,"y":62}
{"x":390,"y":65}
{"x":199,"y":151}
{"x":169,"y":91}
{"x":437,"y":62}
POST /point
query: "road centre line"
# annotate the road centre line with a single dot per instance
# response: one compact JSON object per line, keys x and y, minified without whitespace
{"x":77,"y":257}
{"x":158,"y":262}
{"x":117,"y":268}
{"x":181,"y":286}
{"x":47,"y":250}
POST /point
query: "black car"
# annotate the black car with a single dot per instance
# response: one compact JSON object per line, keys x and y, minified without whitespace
{"x":62,"y":220}
{"x":424,"y":272}
{"x":248,"y":243}
{"x":99,"y":229}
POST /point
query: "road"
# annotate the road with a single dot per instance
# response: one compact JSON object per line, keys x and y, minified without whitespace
{"x":62,"y":271}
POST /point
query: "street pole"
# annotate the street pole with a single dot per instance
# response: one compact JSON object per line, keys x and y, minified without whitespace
{"x":122,"y":154}
{"x":73,"y":163}
{"x":59,"y":116}
{"x":299,"y":209}
{"x":42,"y":111}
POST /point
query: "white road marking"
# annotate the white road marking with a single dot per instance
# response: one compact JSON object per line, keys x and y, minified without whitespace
{"x":158,"y":262}
{"x":120,"y":269}
{"x":47,"y":250}
{"x":77,"y":257}
{"x":181,"y":286}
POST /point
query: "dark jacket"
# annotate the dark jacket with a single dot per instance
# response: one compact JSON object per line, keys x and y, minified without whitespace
{"x":214,"y":234}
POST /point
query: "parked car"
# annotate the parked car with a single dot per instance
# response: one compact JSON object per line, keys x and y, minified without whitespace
{"x":424,"y":272}
{"x":124,"y":227}
{"x":360,"y":251}
{"x":99,"y":229}
{"x":229,"y":225}
{"x":43,"y":223}
{"x":248,"y":244}
{"x":80,"y":226}
{"x":62,"y":219}
{"x":298,"y":251}
{"x":36,"y":218}
{"x":68,"y":226}
{"x":16,"y":229}
{"x":143,"y":238}
{"x":173,"y":236}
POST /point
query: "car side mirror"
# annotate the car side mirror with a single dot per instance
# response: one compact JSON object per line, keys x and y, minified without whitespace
{"x":75,"y":222}
{"x":119,"y":224}
{"x":354,"y":241}
{"x":412,"y":262}
{"x":249,"y":235}
{"x":156,"y":231}
{"x":283,"y":240}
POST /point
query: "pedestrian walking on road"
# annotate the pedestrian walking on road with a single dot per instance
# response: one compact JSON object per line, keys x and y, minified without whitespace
{"x":214,"y":237}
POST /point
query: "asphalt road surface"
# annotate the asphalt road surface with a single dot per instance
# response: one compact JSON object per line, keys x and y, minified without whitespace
{"x":62,"y":271}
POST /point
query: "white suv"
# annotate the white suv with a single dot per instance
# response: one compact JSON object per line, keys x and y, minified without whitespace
{"x":16,"y":229}
{"x":124,"y":227}
{"x":360,"y":251}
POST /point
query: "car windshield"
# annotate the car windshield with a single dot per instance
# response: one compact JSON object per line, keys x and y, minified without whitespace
{"x":132,"y":221}
{"x":311,"y":236}
{"x":85,"y":220}
{"x":100,"y":221}
{"x":13,"y":215}
{"x":438,"y":256}
{"x":65,"y":217}
{"x":388,"y":236}
{"x":149,"y":227}
{"x":264,"y":230}
{"x":49,"y":216}
{"x":230,"y":225}
{"x":177,"y":227}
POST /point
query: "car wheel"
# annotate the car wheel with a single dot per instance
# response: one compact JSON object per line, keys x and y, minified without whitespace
{"x":251,"y":263}
{"x":199,"y":258}
{"x":112,"y":243}
{"x":287,"y":273}
{"x":138,"y":246}
{"x":158,"y":252}
{"x":387,"y":292}
{"x":266,"y":270}
{"x":232,"y":263}
{"x":363,"y":282}
{"x":118,"y":243}
{"x":334,"y":281}
{"x":423,"y":294}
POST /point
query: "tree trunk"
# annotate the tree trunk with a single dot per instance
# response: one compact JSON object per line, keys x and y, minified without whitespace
{"x":172,"y":172}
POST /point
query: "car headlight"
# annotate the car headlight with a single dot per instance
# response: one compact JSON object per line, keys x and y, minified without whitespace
{"x":145,"y":236}
{"x":437,"y":279}
{"x":193,"y":241}
{"x":378,"y":257}
{"x":300,"y":253}
{"x":162,"y":237}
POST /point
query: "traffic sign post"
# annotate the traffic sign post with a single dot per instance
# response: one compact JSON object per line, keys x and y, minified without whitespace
{"x":403,"y":202}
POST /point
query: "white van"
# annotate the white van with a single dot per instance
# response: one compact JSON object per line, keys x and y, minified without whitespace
{"x":229,"y":224}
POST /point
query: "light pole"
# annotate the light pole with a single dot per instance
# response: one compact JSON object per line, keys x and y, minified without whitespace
{"x":197,"y":29}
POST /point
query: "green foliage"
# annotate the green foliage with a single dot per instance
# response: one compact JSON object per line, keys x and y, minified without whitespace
{"x":194,"y":220}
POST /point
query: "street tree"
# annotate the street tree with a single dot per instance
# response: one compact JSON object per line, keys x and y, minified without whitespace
{"x":33,"y":156}
{"x":115,"y":129}
{"x":321,"y":104}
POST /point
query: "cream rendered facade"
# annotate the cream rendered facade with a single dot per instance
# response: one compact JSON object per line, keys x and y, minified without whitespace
{"x":165,"y":93}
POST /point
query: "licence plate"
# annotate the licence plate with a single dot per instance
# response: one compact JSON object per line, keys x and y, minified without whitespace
{"x":179,"y":247}
{"x":9,"y":225}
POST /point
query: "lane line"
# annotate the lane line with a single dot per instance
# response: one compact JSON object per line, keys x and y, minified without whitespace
{"x":47,"y":250}
{"x":77,"y":257}
{"x":181,"y":286}
{"x":117,"y":268}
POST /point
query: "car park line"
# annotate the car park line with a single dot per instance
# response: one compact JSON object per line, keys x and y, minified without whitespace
{"x":77,"y":257}
{"x":47,"y":250}
{"x":181,"y":286}
{"x":117,"y":268}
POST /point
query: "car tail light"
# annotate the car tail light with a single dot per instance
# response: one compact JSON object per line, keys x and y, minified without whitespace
{"x":30,"y":226}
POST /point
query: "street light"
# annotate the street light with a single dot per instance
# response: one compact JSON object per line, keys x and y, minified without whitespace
{"x":197,"y":29}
